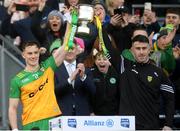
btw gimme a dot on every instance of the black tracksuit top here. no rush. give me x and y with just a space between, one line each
106 100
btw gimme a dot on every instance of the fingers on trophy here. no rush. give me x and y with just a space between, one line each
81 16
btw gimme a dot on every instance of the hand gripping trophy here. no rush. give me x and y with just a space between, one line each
81 16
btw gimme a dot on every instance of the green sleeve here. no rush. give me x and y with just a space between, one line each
14 89
50 62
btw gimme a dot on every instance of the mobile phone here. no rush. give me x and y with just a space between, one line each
118 11
61 7
147 6
21 7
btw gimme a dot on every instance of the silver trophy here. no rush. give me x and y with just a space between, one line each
86 14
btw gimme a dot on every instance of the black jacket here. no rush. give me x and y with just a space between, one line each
107 93
140 88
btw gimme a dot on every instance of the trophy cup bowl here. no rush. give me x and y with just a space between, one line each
86 14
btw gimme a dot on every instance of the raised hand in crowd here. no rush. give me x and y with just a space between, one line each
118 20
41 5
176 52
151 39
81 70
170 36
11 7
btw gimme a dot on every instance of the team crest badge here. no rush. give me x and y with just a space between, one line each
149 78
112 80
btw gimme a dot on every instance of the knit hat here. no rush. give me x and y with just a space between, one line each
56 13
101 2
56 44
162 33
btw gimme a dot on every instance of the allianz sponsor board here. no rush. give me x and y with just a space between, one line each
95 123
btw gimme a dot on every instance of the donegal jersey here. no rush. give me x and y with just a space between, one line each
36 91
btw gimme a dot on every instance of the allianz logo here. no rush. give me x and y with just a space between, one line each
108 123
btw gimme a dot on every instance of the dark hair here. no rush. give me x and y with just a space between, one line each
30 43
140 38
138 27
173 11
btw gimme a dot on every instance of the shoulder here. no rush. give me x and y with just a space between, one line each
156 69
49 62
16 80
19 75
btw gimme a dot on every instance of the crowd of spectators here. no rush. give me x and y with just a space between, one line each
94 85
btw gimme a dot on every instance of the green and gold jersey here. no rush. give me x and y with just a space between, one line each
36 91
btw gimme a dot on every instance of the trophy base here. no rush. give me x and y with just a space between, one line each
83 31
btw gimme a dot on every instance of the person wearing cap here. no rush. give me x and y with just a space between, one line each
141 84
162 52
54 29
34 87
74 87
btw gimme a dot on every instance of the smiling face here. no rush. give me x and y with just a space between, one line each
54 23
102 63
173 19
31 56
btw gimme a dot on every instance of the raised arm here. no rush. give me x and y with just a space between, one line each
59 55
13 105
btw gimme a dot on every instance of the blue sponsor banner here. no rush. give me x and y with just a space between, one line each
93 123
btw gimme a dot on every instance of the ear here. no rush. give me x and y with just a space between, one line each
109 63
22 54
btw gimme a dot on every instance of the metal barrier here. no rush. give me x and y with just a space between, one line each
155 6
9 66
